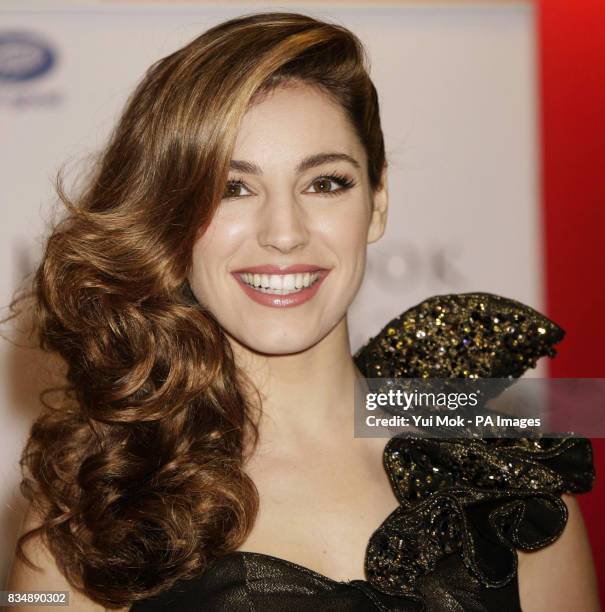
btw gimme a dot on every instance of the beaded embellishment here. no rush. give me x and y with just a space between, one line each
478 498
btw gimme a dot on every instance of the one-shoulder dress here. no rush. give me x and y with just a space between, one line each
465 505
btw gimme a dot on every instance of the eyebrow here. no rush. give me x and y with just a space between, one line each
311 161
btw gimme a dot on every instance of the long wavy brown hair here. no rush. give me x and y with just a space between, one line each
137 470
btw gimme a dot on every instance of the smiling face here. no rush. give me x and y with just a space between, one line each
285 253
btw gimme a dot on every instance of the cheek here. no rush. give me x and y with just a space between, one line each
347 234
209 256
213 249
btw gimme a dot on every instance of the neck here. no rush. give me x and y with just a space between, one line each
307 397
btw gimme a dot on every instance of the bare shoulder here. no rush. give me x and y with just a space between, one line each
49 578
560 576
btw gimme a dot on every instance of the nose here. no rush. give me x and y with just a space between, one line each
283 224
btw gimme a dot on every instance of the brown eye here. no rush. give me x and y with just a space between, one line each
235 189
322 185
331 184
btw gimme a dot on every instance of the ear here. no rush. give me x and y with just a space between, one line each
380 198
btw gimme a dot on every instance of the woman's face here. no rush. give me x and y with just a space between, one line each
285 253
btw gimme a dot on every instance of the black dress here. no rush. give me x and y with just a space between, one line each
465 504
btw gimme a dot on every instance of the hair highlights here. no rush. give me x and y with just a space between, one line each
137 473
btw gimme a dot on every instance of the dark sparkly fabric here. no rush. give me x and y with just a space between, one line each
465 505
460 335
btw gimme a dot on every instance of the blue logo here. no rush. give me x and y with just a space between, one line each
24 56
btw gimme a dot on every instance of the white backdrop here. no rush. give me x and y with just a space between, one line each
458 100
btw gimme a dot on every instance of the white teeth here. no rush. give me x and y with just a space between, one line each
289 281
275 282
280 284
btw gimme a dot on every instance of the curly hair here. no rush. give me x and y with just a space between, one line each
137 472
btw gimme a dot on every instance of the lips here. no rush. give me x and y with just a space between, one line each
276 300
274 269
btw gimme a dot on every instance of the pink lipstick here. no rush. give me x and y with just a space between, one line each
281 286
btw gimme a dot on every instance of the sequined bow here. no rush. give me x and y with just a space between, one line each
478 498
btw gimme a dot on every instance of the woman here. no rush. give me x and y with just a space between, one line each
203 457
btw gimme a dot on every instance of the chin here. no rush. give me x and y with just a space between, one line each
278 342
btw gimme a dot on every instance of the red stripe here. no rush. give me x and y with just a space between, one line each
571 48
